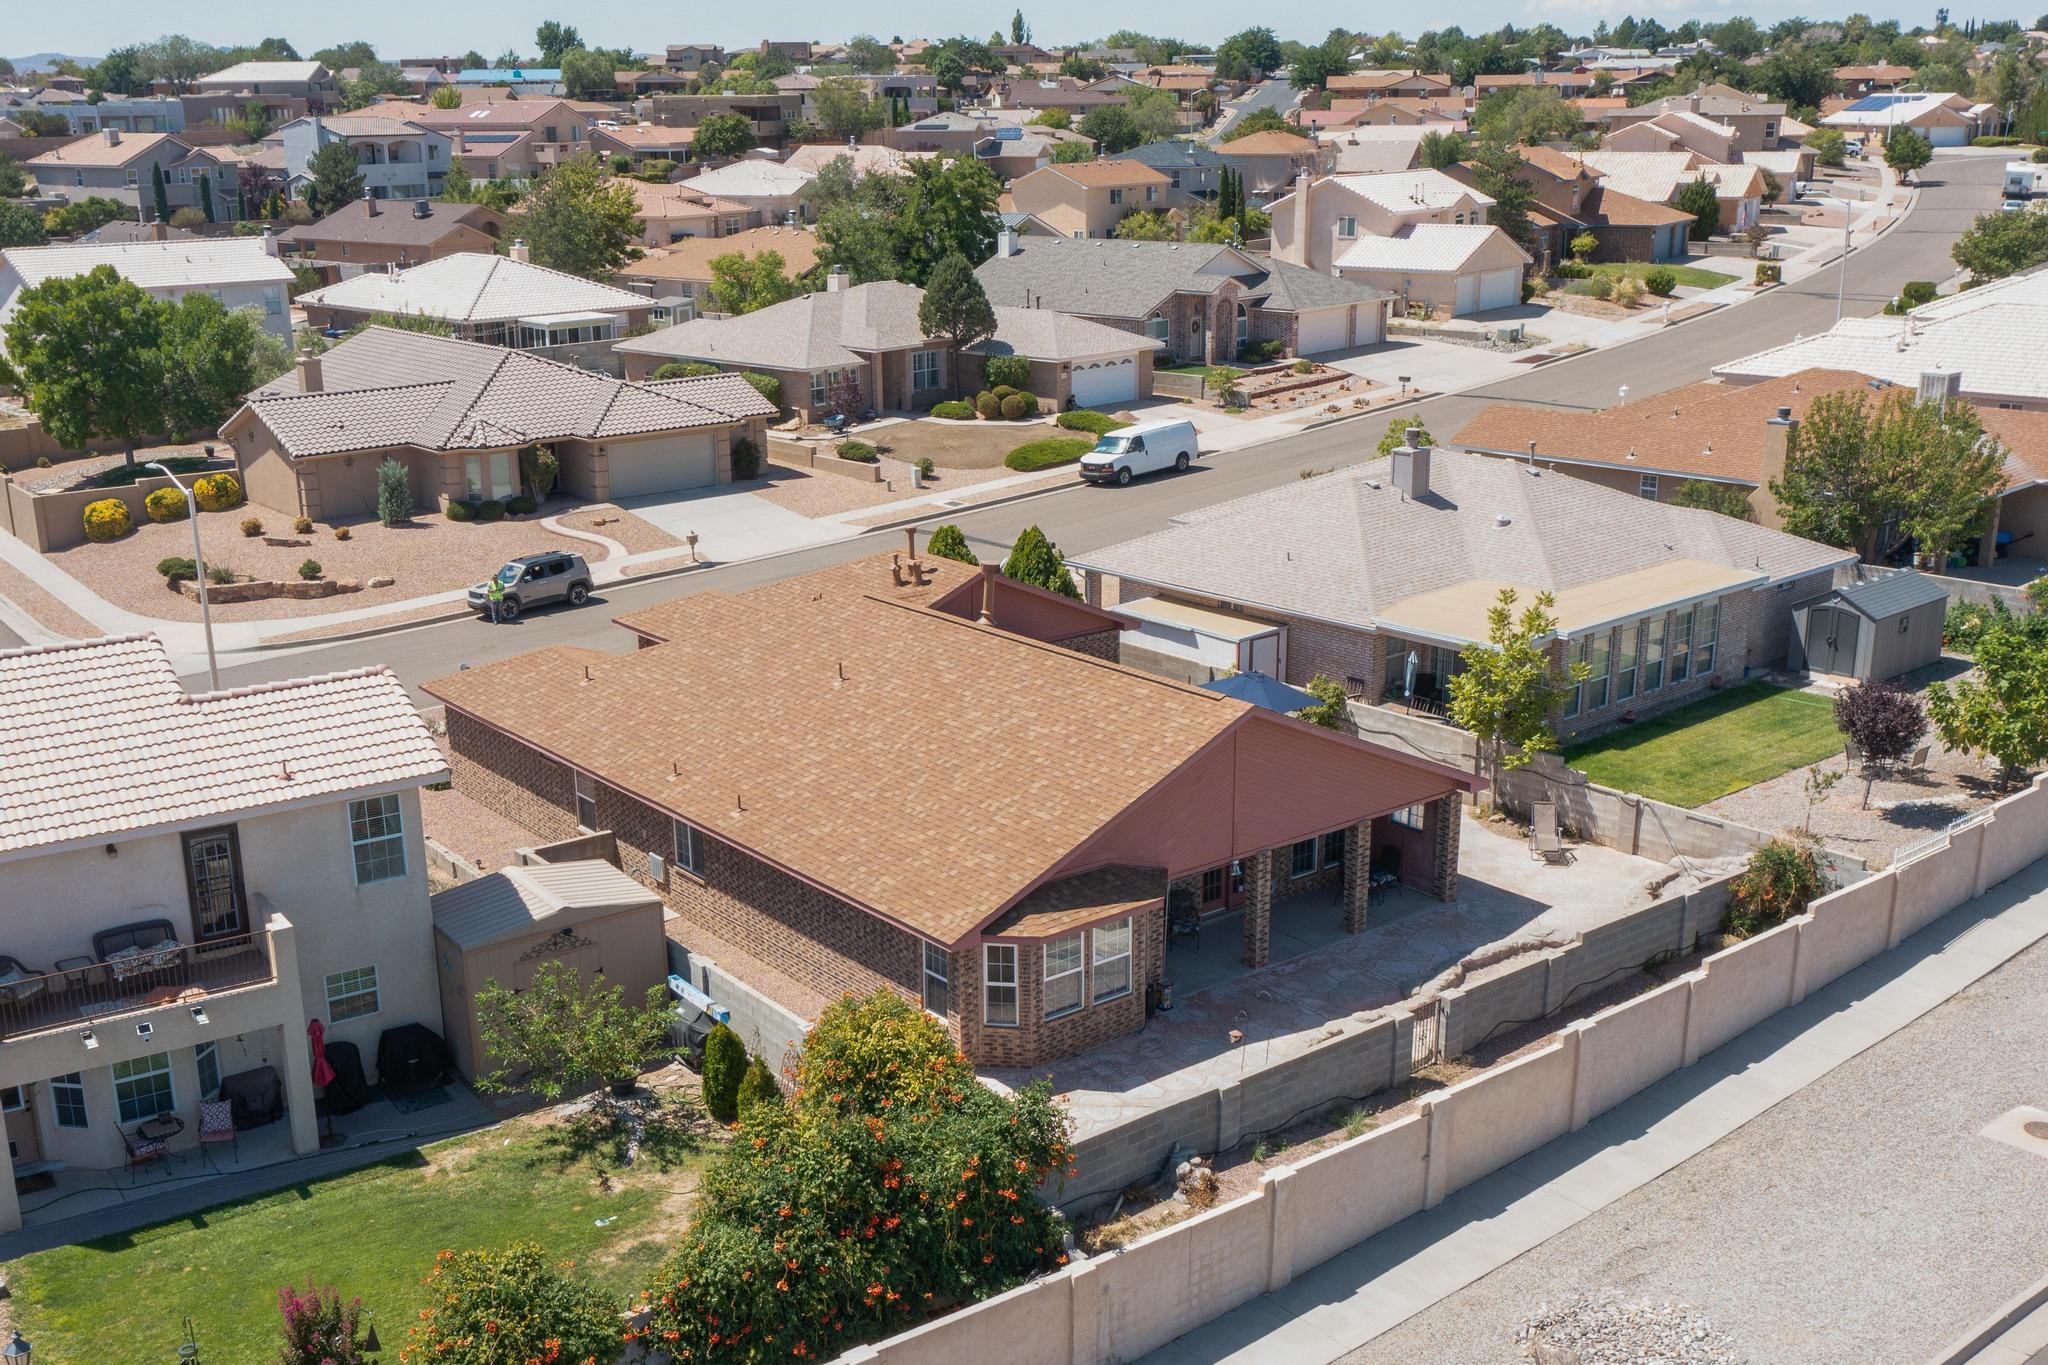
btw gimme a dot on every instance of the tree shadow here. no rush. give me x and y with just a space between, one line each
644 1130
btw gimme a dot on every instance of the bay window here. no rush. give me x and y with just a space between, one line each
1112 960
1062 976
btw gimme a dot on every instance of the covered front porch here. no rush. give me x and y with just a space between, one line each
1303 924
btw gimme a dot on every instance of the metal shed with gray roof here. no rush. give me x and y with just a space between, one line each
1873 630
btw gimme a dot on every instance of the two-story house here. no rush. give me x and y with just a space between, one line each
239 271
189 880
503 139
1573 198
1269 161
1681 130
1089 198
126 114
397 158
112 165
1193 170
1756 120
370 234
307 80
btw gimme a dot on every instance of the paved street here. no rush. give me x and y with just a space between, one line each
1955 190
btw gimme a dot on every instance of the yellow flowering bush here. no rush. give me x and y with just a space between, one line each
107 519
166 504
217 492
492 1307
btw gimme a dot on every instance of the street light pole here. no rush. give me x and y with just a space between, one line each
1842 274
198 571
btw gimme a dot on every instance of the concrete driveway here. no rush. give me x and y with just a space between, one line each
731 524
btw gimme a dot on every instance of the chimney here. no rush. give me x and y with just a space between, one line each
112 136
1779 432
269 241
422 209
370 204
159 231
1411 466
988 594
835 280
519 252
1006 242
309 374
1295 252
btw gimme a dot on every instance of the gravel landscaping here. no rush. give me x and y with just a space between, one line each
1605 1329
616 523
426 555
47 612
819 494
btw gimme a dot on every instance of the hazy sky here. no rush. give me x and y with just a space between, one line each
405 28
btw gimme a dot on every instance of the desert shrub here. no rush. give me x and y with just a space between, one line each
746 458
1598 286
1627 291
462 511
302 525
252 526
310 570
988 405
166 504
949 542
1013 407
1913 293
515 1304
220 573
858 451
1011 371
1781 880
341 533
217 492
490 510
767 385
394 492
757 1087
725 1063
519 505
539 468
925 467
1053 450
176 569
952 410
1086 419
1303 366
1660 281
1572 270
683 369
1769 272
1002 391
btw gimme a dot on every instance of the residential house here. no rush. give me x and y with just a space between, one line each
1658 177
1570 84
218 108
1270 161
690 58
305 80
1738 435
371 234
656 81
796 50
125 114
502 139
871 334
1025 225
1203 302
193 878
498 300
768 115
1089 198
397 158
681 270
1404 111
1048 940
1380 574
1857 81
1678 131
112 165
456 414
1076 98
519 81
242 272
1572 198
1003 140
678 209
1375 150
639 142
1421 235
1193 170
1375 84
1945 120
865 158
1756 121
768 188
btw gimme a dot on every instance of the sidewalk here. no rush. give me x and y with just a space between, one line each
1356 1296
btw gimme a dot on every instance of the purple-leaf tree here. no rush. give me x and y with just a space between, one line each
1883 721
320 1327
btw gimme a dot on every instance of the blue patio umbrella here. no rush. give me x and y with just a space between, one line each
1260 690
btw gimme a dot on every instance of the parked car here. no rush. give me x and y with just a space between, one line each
2014 206
535 581
1142 448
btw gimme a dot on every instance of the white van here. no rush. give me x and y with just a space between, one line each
1140 448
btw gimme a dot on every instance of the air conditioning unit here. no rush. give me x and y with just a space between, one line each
657 867
1941 386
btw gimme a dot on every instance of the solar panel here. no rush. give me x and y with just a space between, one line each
1873 102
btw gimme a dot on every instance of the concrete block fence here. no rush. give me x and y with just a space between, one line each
1122 1304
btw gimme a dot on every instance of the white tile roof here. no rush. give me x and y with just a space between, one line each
99 740
1990 335
752 180
1656 176
1426 248
1408 191
250 73
181 263
474 286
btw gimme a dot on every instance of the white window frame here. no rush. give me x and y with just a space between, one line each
1118 933
72 1086
586 802
355 984
13 1099
999 974
925 370
126 1092
1056 983
937 968
1653 654
1706 635
380 854
203 1055
689 849
1347 226
1678 647
1411 817
1600 658
1646 487
1626 640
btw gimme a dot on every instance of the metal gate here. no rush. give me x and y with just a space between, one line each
1423 1042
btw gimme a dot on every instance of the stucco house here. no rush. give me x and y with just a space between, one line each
371 234
456 414
1680 130
113 165
1758 122
397 158
307 80
191 878
1659 178
802 855
1573 198
1271 161
1193 170
1089 198
239 271
1380 574
1204 302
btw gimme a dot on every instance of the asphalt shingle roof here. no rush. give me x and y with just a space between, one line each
1108 278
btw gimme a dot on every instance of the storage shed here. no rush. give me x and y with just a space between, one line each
1872 631
1199 644
503 927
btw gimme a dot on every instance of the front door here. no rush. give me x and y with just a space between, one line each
213 879
1223 887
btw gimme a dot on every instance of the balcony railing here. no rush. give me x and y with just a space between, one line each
84 994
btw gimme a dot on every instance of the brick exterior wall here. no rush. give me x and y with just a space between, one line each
1258 907
1036 1040
1102 644
1357 872
1446 822
1312 646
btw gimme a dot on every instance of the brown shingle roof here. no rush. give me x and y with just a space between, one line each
1108 173
689 259
396 223
95 150
1272 142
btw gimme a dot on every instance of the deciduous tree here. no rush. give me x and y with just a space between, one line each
720 135
1510 687
1906 150
87 352
577 221
948 210
743 284
1999 709
1726 498
565 1031
2002 244
1036 560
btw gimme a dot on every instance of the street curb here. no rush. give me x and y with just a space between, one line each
1987 1332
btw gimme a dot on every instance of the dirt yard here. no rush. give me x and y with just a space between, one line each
954 445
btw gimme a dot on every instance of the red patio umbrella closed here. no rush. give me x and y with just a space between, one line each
316 1033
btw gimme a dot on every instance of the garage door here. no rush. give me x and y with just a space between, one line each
1500 289
1102 382
664 466
1324 329
1468 294
1948 137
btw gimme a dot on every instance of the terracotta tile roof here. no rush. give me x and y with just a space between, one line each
1272 142
98 739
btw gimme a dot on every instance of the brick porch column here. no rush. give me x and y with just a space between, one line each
1357 875
1258 907
1445 816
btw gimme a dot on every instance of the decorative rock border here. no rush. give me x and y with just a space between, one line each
256 590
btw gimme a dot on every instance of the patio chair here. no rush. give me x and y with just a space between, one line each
20 983
1184 916
143 1150
1918 762
1544 840
1383 875
1852 756
217 1124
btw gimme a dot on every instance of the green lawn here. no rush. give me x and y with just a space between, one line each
1693 275
1734 738
372 1232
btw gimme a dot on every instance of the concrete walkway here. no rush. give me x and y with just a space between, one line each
1376 1285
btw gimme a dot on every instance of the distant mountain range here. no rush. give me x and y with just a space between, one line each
47 61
